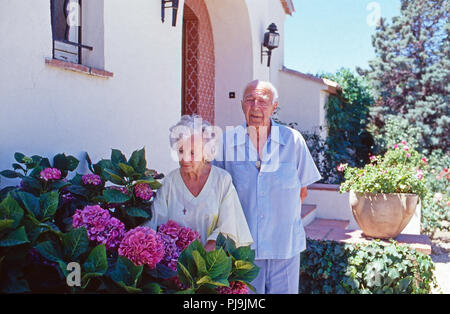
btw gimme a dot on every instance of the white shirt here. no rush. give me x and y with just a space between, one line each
215 210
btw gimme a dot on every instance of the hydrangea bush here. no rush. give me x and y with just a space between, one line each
50 220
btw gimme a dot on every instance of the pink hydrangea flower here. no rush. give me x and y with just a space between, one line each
143 191
373 158
395 146
170 228
236 287
143 246
186 237
408 155
91 179
50 174
403 142
100 226
406 148
171 231
425 160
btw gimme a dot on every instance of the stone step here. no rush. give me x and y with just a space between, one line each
329 224
308 213
335 230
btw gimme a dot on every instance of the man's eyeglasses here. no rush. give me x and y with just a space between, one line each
259 102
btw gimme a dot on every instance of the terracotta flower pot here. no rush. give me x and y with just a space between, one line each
383 215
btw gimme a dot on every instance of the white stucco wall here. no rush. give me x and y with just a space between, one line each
302 100
233 56
238 28
46 110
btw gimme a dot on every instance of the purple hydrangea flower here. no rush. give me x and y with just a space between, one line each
91 179
236 287
172 252
50 174
100 226
143 191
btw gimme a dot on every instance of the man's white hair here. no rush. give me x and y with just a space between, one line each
265 85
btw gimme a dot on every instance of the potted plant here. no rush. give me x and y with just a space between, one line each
385 193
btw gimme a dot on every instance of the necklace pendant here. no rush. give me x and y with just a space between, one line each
184 211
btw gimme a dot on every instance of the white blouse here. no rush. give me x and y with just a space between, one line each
215 210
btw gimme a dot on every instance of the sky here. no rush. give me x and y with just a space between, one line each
325 35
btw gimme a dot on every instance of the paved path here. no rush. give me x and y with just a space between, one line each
441 257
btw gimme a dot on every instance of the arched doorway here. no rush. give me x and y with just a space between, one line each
198 61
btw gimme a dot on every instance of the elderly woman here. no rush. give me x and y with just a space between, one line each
198 195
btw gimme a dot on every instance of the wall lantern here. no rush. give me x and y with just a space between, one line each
271 41
167 4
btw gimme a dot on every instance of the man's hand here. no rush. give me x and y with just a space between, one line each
303 193
210 245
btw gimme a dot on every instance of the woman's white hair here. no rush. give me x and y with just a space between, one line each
194 124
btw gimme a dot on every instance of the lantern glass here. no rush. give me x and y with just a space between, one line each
274 40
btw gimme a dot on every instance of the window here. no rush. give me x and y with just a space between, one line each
67 30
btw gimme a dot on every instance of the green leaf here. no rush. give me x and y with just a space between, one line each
49 204
5 224
48 250
117 157
125 273
72 163
128 170
114 177
404 284
137 160
58 185
200 263
155 185
160 272
30 202
19 157
32 183
153 288
60 161
10 174
75 242
115 197
89 162
218 264
137 212
96 261
10 209
243 265
16 237
18 167
184 274
208 280
14 282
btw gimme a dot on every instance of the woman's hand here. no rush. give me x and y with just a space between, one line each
210 245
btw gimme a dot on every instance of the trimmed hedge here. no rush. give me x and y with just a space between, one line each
329 267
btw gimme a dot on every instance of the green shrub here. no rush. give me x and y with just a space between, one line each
340 268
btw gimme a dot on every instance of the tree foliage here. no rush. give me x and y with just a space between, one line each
411 70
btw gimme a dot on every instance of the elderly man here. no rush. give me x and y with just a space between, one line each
271 168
